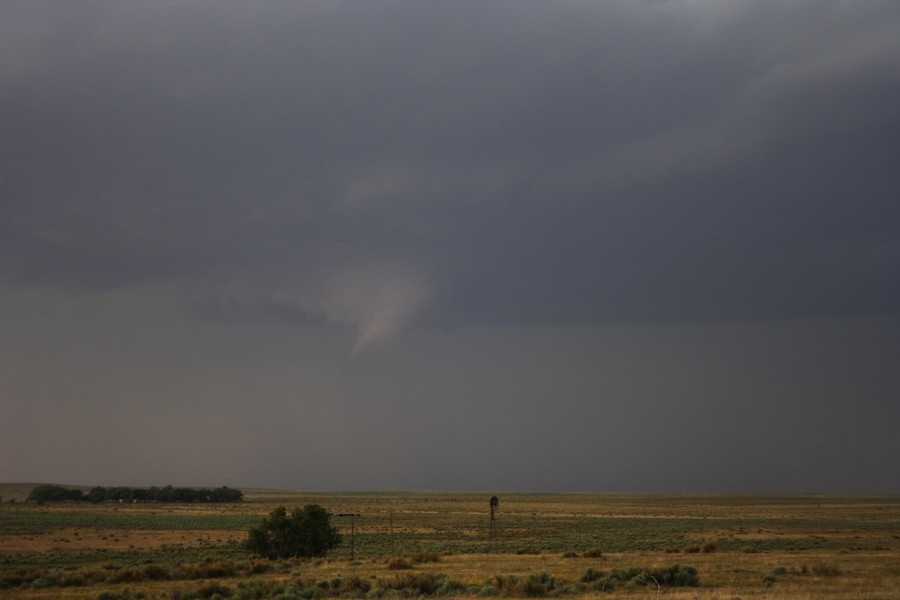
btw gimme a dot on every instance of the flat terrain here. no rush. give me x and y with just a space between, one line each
742 546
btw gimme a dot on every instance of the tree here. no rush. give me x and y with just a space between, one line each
54 493
306 532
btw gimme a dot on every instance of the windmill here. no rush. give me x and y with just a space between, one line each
495 503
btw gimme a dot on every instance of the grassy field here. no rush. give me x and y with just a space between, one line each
568 545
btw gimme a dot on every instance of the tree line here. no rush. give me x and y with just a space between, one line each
58 493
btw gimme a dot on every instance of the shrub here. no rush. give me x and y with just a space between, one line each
625 574
531 588
593 553
451 587
709 546
420 583
355 584
506 583
214 589
155 572
218 568
536 585
590 575
306 532
677 576
41 582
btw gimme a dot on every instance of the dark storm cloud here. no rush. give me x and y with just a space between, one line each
370 163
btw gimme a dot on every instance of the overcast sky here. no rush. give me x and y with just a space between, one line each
616 245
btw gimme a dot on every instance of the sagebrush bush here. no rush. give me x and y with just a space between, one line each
155 572
452 587
677 576
506 583
421 583
590 575
214 589
536 585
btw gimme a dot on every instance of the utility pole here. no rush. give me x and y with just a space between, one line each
352 532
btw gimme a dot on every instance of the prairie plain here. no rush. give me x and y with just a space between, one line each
414 544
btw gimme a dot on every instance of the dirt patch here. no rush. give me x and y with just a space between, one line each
113 539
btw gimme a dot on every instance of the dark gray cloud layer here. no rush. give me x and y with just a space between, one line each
383 166
595 161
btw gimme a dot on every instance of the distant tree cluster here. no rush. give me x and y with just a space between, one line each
58 493
55 493
305 532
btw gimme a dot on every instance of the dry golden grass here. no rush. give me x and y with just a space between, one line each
74 539
844 547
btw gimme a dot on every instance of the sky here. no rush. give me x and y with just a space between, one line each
619 245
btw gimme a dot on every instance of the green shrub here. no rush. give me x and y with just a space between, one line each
421 583
677 576
356 584
506 583
531 588
154 572
625 574
452 587
590 575
306 532
217 568
536 585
